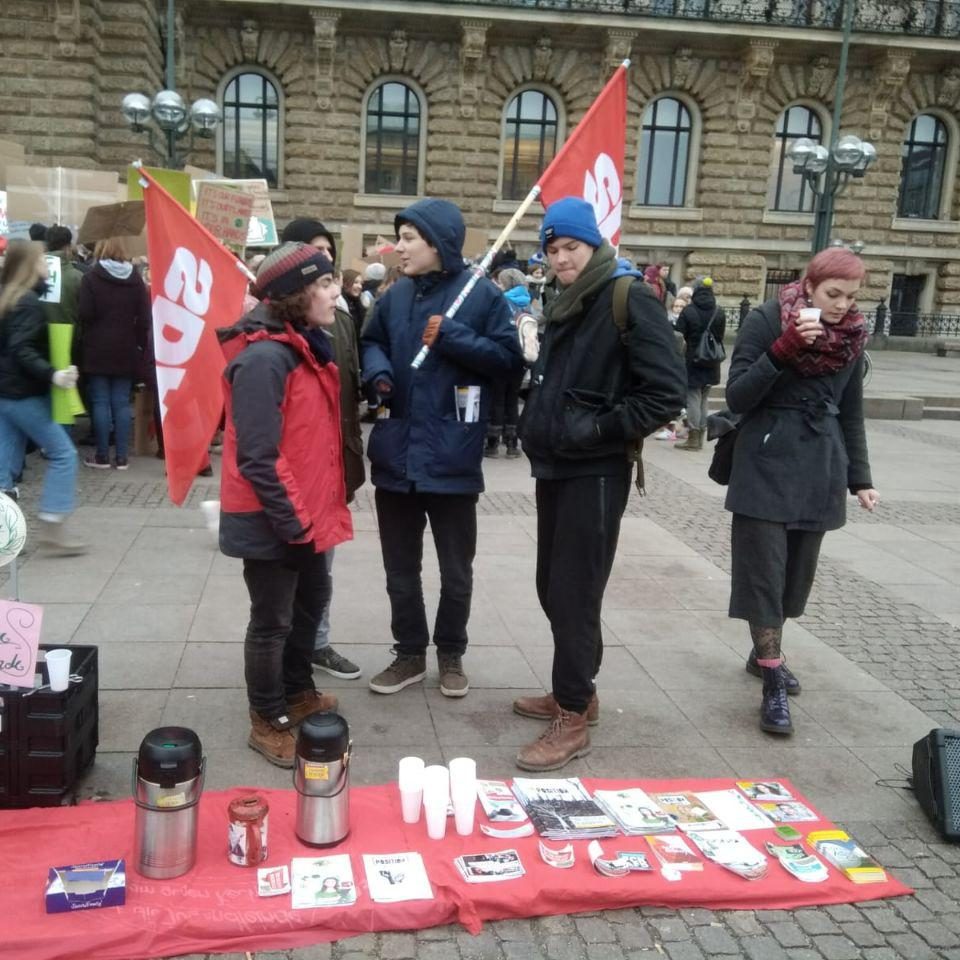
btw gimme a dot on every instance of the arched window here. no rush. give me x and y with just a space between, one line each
664 154
529 142
788 190
924 162
392 154
251 129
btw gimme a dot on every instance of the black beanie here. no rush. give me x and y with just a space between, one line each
304 229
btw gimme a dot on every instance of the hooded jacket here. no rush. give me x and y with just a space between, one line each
282 476
693 321
114 316
423 446
25 369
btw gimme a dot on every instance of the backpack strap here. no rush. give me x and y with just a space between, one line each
621 294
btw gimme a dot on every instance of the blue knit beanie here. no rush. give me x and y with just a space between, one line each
570 217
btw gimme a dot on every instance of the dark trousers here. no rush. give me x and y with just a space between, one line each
578 525
286 603
402 518
505 401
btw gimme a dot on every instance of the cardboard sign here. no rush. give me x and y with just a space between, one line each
177 183
125 219
263 226
54 272
57 194
475 243
351 243
224 211
19 639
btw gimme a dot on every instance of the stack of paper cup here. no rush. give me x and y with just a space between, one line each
410 781
436 798
463 793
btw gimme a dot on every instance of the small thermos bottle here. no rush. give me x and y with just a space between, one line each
322 780
167 783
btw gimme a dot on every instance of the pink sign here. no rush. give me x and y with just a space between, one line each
19 638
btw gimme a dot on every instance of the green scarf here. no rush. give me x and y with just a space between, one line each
568 305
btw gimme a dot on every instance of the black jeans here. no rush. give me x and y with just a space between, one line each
402 518
578 525
505 401
286 603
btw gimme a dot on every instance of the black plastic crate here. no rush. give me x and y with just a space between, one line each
48 739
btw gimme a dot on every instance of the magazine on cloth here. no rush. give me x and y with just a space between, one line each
498 803
732 851
790 812
771 790
635 813
562 809
488 867
687 811
840 849
322 882
392 877
672 851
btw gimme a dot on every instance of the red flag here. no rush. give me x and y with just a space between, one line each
196 286
590 163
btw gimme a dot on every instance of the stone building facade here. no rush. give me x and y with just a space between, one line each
65 65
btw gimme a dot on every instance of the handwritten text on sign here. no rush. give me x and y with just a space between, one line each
19 638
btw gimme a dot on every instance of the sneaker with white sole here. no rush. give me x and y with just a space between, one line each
453 680
406 669
328 660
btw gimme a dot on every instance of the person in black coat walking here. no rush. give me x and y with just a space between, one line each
796 381
700 313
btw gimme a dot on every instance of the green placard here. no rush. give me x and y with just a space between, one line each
65 404
175 182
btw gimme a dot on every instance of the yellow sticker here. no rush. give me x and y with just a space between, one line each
316 771
174 800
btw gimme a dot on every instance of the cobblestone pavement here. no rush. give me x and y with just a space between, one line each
897 642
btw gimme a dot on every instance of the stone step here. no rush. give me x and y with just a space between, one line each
939 401
941 413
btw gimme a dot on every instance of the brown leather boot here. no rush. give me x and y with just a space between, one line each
545 708
273 738
301 705
564 740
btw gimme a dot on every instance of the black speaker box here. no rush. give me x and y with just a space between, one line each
936 779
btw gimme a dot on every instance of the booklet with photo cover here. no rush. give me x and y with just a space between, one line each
687 811
729 849
498 803
765 790
322 882
840 849
791 811
487 867
672 851
392 877
562 809
636 814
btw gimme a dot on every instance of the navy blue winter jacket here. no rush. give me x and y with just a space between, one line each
424 446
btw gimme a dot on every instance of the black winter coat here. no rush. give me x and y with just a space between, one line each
692 322
25 369
591 395
802 442
114 318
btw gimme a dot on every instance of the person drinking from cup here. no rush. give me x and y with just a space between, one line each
796 381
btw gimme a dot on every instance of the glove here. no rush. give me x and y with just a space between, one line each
297 555
432 330
383 387
788 344
67 378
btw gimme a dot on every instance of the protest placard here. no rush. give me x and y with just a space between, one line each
263 226
19 640
57 194
224 211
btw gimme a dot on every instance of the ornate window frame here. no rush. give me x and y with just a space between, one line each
771 214
943 223
557 100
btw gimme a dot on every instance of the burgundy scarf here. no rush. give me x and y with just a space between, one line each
840 343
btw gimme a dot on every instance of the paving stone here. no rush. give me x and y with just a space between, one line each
816 923
843 913
565 948
595 930
483 946
836 948
789 934
626 915
937 901
398 946
936 934
911 910
634 936
434 950
447 932
803 953
932 867
742 923
316 951
762 948
886 921
683 950
909 945
513 929
365 943
880 953
604 951
863 934
557 926
522 950
697 917
714 939
670 929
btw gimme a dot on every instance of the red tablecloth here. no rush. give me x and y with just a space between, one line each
215 906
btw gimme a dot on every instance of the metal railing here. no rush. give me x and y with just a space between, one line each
929 18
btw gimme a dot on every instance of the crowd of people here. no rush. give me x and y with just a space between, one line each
605 354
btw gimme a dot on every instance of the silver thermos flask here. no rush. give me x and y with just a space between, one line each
322 780
167 783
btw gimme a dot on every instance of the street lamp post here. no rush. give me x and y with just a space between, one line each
170 113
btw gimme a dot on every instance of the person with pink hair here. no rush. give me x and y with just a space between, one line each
796 382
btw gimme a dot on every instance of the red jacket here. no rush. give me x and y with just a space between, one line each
282 475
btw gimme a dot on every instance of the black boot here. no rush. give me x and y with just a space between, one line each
774 707
492 449
789 678
511 442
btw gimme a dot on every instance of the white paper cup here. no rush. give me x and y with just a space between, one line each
410 783
463 793
436 797
410 803
58 669
810 313
436 816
